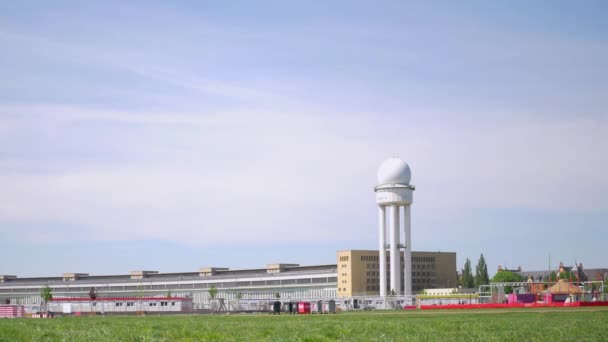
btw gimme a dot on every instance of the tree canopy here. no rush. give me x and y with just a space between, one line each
507 277
46 294
553 276
481 272
569 275
466 280
213 292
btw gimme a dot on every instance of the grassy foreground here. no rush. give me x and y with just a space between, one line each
589 324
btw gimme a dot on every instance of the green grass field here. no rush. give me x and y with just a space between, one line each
588 324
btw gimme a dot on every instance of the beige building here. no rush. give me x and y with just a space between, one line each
358 272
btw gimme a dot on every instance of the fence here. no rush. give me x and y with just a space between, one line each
11 311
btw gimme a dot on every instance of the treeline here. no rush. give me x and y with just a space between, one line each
468 280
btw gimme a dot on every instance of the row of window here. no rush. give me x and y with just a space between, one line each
182 286
423 259
344 258
374 273
417 266
375 258
423 266
423 274
388 259
118 304
369 258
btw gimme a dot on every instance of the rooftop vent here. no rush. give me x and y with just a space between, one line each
276 268
5 278
74 276
141 274
210 271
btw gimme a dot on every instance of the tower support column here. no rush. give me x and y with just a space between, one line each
395 255
407 252
382 248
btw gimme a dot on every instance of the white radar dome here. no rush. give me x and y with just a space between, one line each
394 171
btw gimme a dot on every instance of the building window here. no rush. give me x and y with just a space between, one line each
163 303
152 304
118 304
129 303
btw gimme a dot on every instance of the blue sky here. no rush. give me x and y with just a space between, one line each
172 136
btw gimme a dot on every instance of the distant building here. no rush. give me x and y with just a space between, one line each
578 271
121 304
500 269
359 274
287 281
356 273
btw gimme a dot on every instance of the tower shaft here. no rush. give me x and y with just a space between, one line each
395 255
407 252
382 248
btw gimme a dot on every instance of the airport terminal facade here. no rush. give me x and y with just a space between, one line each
356 276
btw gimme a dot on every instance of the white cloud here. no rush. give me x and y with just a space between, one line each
249 177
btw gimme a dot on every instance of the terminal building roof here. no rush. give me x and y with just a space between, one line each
153 276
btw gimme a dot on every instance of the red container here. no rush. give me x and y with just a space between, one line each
303 308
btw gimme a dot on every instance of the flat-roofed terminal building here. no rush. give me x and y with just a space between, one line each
355 274
288 281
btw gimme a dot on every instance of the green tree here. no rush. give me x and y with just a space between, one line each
606 285
569 276
47 295
507 277
466 280
481 272
553 277
238 296
212 292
